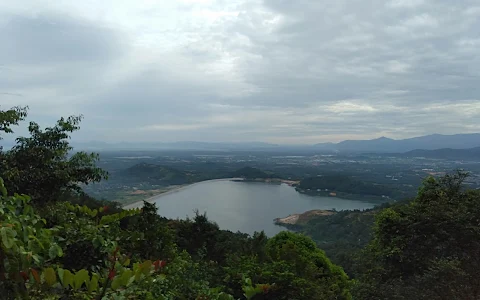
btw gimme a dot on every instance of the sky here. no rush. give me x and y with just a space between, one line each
278 71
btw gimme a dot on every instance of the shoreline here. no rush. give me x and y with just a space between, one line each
302 218
139 204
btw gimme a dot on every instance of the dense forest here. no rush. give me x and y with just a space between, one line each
341 235
250 173
155 174
59 243
344 185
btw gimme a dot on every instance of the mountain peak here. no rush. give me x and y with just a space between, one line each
429 142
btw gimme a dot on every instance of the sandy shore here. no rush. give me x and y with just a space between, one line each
176 189
304 217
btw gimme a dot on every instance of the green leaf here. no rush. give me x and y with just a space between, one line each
93 284
131 280
116 283
125 277
67 278
52 252
138 274
249 292
60 275
3 190
224 296
7 234
59 251
146 267
50 277
36 259
80 278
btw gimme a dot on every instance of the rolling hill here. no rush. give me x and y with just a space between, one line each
252 173
379 145
156 174
428 142
447 153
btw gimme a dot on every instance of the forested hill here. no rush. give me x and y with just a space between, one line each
347 185
158 174
253 173
447 153
342 235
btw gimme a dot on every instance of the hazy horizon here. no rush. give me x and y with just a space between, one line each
302 72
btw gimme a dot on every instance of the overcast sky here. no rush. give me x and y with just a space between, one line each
278 71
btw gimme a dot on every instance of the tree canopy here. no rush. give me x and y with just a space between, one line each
43 165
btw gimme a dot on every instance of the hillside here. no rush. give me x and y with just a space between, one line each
447 153
157 174
303 218
341 235
252 173
428 142
344 184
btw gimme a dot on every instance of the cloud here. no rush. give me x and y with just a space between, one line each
405 3
240 70
172 127
51 39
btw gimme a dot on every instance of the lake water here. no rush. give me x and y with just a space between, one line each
246 206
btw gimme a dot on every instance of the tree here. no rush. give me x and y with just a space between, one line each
43 166
312 275
147 235
11 117
429 248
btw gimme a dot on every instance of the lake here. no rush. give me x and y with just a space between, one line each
246 206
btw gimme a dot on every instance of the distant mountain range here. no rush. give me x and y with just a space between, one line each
428 142
380 145
447 153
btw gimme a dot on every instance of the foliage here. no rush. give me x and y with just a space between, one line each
41 165
428 248
252 173
38 261
156 174
26 246
11 117
341 235
345 184
147 235
315 277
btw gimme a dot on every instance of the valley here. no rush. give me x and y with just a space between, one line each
138 175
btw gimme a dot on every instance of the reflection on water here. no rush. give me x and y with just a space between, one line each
246 206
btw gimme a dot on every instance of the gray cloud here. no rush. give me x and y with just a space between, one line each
53 39
280 71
